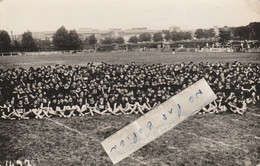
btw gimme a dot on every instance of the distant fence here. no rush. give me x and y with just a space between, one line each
10 54
253 50
186 49
41 53
229 50
216 50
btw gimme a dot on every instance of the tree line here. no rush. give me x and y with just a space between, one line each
64 39
27 42
249 32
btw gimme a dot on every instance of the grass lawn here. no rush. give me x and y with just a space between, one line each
125 57
206 139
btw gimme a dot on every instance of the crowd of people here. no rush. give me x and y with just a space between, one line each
104 89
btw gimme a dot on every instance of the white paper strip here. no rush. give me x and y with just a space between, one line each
158 121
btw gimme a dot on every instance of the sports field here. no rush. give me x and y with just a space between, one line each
203 139
125 57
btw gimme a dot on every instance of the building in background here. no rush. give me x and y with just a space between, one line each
99 34
175 28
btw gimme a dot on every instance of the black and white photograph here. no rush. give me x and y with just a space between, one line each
130 82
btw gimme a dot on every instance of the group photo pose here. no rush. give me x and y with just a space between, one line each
114 89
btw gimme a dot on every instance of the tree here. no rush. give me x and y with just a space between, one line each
185 35
74 40
210 33
224 36
119 40
5 41
64 40
145 37
28 43
251 31
254 28
180 35
167 34
157 37
61 38
241 33
199 33
203 33
16 46
44 44
91 40
107 40
176 36
133 39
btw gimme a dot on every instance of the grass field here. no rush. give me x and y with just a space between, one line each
125 57
206 139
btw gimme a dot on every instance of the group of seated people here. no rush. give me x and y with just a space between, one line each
116 89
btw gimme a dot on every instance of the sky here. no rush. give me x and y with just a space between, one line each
48 15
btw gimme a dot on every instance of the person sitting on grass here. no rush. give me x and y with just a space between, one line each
123 105
132 104
87 111
141 105
112 105
19 110
153 102
26 104
233 106
7 111
81 107
119 107
91 106
126 106
101 106
53 107
210 108
253 94
257 89
161 81
230 97
247 89
70 108
60 109
221 107
35 109
45 106
241 104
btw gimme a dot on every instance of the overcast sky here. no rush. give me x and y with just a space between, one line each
44 15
